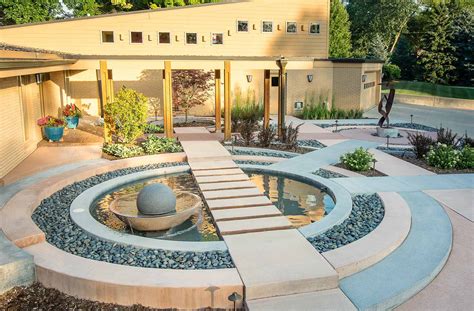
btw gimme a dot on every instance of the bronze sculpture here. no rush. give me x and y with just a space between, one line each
388 107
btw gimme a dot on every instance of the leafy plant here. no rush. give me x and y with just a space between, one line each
190 88
468 141
466 158
154 106
391 72
446 137
126 116
50 121
290 136
245 108
421 143
442 156
71 110
317 109
247 130
266 136
151 128
122 151
359 160
155 144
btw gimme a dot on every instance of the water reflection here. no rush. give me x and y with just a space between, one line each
303 204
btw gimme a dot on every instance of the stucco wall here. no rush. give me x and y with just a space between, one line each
83 36
53 94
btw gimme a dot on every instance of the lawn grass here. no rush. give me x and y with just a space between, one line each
428 89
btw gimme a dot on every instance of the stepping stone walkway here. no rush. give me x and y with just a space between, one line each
273 258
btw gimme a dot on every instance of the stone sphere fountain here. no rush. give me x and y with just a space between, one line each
155 208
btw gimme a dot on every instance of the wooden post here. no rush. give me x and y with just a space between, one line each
266 99
227 102
282 98
104 99
167 100
217 79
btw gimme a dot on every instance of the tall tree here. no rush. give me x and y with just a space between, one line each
463 42
383 18
340 45
28 11
436 53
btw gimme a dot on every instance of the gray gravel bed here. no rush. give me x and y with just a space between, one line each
327 174
52 217
412 126
367 213
311 143
251 162
262 153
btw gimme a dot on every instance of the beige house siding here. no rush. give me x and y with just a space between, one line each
84 91
13 146
53 94
347 87
83 36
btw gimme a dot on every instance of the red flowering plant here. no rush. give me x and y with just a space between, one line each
50 121
71 110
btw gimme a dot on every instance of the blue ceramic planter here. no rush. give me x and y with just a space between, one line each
54 133
72 122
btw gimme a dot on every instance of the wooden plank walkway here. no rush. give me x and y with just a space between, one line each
273 258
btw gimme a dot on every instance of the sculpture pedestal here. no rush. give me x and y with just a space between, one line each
387 132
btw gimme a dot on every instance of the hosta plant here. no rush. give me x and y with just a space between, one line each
122 151
442 156
359 160
466 158
154 145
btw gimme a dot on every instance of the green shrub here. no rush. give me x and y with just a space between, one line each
127 115
154 145
247 130
290 136
359 160
245 108
466 158
442 156
151 128
446 137
391 72
122 151
421 144
317 109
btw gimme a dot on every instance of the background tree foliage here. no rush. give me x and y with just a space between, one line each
28 11
339 31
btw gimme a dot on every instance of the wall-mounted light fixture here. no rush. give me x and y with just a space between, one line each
310 78
249 78
39 78
364 78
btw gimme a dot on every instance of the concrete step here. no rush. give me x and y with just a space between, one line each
227 185
326 300
254 225
221 172
239 202
205 151
245 213
220 179
278 263
215 165
234 193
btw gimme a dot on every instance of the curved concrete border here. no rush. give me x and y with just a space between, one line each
127 285
378 244
80 213
15 217
342 198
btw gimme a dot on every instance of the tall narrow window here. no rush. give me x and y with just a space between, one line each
217 38
291 27
107 37
267 26
136 37
314 28
242 26
191 38
164 37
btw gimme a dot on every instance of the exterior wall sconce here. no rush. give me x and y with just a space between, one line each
364 78
310 78
39 78
249 78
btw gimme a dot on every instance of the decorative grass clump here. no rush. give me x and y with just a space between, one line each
317 109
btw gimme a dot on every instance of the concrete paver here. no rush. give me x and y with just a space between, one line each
239 202
235 193
245 213
277 263
459 200
227 185
230 171
254 225
220 179
393 166
214 165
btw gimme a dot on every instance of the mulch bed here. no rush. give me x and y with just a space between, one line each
37 297
195 124
422 163
369 173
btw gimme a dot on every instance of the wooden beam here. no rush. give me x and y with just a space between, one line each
108 124
266 99
167 100
227 102
217 79
282 97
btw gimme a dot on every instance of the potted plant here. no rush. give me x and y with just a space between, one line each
72 114
53 127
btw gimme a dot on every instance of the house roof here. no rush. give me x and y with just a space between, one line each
222 2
